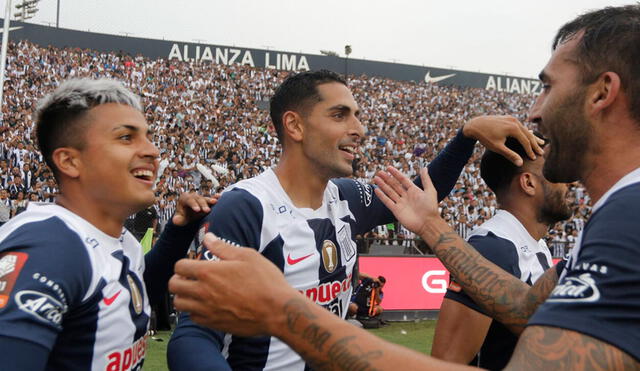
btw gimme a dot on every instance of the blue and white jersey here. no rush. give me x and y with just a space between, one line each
69 288
598 293
504 241
315 249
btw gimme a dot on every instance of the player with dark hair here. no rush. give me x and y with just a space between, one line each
512 239
72 280
304 218
588 110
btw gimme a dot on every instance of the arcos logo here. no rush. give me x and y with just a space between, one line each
435 285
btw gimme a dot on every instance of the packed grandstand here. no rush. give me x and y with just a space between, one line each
212 129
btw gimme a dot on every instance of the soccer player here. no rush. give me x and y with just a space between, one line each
591 319
73 285
304 218
512 239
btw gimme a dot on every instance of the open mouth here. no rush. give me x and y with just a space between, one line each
349 149
146 175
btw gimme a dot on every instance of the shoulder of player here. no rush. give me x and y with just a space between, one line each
493 247
351 190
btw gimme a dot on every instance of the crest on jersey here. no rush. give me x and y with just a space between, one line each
329 256
136 296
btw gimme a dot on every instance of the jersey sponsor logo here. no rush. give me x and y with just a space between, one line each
434 285
328 291
329 256
41 306
51 284
346 243
576 289
10 266
136 296
292 261
109 300
128 359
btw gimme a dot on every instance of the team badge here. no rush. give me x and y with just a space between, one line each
136 296
329 256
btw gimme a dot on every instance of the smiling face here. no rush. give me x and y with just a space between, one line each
332 131
118 162
559 112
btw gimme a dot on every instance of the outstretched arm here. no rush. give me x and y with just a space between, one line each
498 293
326 342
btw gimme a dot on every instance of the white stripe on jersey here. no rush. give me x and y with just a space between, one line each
115 329
507 226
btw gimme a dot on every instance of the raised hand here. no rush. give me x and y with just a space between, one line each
235 294
411 205
192 207
492 132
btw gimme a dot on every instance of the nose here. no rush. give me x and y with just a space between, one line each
534 111
357 128
150 150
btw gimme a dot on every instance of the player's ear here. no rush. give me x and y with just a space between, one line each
67 160
603 92
528 183
292 125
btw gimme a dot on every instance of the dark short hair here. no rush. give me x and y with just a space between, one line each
58 114
382 279
296 93
611 42
497 171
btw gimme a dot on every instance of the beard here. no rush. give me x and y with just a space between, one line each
570 135
555 207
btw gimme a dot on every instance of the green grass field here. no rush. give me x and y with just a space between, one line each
415 335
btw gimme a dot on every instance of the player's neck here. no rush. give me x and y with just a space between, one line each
608 170
101 218
529 220
305 189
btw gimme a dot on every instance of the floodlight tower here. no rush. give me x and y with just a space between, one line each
27 9
347 51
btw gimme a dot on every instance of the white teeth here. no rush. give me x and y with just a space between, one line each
348 149
145 173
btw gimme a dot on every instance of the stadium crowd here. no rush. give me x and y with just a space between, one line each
212 128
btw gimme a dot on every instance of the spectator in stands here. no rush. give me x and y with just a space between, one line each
513 240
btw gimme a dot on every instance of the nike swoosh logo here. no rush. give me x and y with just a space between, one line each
429 79
296 261
109 301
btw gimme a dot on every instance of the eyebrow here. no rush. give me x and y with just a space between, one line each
343 108
132 128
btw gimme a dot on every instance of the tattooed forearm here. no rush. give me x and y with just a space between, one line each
320 348
503 296
543 347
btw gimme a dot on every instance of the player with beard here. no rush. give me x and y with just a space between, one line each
590 320
512 239
304 218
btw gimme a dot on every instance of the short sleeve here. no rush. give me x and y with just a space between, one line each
499 251
45 272
599 295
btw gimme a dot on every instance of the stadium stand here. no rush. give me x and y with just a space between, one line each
212 129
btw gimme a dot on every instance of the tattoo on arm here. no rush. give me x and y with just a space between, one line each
503 296
320 347
542 347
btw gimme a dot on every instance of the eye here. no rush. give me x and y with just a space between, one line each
126 137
